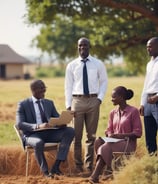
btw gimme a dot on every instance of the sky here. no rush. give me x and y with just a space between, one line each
13 31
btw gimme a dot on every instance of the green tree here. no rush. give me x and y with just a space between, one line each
115 27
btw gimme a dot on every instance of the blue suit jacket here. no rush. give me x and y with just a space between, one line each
26 117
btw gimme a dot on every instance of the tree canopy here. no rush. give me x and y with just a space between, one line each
114 27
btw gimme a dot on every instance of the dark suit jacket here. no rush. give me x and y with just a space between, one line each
26 118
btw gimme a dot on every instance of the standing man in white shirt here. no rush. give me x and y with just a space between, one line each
149 98
85 103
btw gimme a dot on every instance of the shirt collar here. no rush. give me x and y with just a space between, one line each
86 58
117 109
152 59
34 99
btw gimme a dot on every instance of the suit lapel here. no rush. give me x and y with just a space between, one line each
31 106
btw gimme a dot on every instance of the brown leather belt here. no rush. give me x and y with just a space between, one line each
86 96
153 94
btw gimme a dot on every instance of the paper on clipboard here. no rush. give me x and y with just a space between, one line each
65 118
110 139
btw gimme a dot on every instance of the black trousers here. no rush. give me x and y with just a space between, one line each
150 126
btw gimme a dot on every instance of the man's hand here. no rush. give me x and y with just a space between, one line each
43 125
141 110
99 101
152 99
69 109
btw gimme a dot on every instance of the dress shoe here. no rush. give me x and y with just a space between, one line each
57 172
79 168
153 154
78 171
48 175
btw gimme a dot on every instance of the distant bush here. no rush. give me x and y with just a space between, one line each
59 71
46 71
119 71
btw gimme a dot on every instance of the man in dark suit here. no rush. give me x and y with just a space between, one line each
30 120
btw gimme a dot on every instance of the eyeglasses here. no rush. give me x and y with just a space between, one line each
41 87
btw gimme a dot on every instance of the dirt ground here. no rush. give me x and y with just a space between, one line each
11 179
12 169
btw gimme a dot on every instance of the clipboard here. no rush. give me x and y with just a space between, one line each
110 139
65 118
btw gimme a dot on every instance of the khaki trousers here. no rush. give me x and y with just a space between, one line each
86 114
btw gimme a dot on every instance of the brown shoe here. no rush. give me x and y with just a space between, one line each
107 175
78 171
93 181
87 173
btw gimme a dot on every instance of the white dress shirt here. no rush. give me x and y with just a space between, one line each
151 80
97 78
37 111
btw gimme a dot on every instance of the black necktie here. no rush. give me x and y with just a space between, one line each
85 78
43 117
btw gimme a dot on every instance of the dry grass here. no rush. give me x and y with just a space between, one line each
13 159
7 112
12 168
139 171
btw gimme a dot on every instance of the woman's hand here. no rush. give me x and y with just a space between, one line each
124 136
117 136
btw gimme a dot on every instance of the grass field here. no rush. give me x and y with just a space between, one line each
14 90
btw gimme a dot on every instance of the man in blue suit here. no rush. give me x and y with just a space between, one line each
30 120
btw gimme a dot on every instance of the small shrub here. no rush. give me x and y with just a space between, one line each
139 171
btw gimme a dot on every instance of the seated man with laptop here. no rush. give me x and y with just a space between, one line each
34 117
